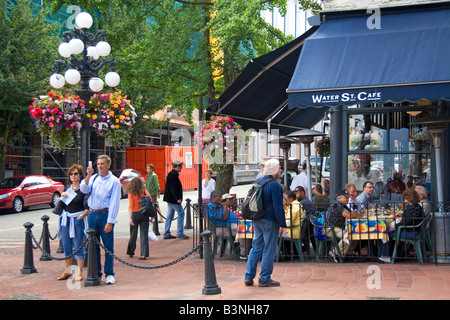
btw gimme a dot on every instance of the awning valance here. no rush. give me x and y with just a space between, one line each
346 62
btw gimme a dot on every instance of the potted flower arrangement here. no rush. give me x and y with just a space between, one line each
57 117
219 139
111 116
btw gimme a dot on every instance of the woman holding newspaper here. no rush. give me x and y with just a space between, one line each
72 222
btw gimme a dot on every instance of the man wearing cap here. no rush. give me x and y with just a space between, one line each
173 195
335 218
220 214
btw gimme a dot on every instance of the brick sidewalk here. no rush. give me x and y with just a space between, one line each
185 280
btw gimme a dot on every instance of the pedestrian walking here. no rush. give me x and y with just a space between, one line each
136 189
173 195
153 188
266 230
103 203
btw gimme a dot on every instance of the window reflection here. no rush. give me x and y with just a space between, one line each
413 168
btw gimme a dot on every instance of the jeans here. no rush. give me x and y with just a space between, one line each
384 249
98 222
71 244
265 244
171 208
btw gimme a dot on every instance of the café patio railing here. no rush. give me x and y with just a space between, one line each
366 229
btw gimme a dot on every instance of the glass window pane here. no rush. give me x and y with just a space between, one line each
367 132
414 168
407 137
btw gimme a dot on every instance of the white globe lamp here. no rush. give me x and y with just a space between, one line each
96 84
57 81
83 20
72 76
92 52
103 48
64 50
76 46
112 79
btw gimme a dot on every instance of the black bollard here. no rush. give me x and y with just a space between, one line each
156 220
46 255
92 273
60 248
28 263
211 286
188 224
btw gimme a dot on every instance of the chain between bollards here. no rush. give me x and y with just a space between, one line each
211 287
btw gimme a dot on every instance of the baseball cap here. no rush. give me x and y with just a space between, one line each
343 193
177 163
227 196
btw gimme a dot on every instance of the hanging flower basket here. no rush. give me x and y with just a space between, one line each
57 118
323 147
220 138
111 116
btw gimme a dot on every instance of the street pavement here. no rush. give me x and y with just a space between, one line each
184 281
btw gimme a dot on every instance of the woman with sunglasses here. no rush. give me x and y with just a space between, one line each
72 222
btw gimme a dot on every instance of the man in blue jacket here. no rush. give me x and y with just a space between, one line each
267 229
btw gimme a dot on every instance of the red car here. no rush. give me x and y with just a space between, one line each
125 176
19 193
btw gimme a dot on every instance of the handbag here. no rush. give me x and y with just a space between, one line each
59 207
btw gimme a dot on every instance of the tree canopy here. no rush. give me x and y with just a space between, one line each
171 52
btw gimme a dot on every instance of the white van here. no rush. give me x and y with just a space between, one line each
325 168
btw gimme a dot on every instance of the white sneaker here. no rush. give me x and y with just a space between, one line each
385 259
110 279
334 256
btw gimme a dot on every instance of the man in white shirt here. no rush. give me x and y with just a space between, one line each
103 203
300 180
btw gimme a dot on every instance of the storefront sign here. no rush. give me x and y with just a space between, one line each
346 97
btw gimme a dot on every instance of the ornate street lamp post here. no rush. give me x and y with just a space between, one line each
84 50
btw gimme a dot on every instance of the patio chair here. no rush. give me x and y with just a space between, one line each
297 243
325 244
418 242
221 242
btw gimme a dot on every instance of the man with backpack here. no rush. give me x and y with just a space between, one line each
266 230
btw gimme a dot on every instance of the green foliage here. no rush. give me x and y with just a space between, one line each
171 52
28 47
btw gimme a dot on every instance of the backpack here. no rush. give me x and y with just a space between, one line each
147 207
253 206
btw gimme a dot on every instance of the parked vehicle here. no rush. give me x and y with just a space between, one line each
125 176
325 174
21 192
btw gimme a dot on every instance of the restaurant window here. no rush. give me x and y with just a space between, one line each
381 144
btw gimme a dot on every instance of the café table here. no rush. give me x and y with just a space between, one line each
245 229
374 227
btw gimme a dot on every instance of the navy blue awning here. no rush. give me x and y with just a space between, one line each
345 62
259 92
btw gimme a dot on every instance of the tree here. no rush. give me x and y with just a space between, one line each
27 48
173 52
